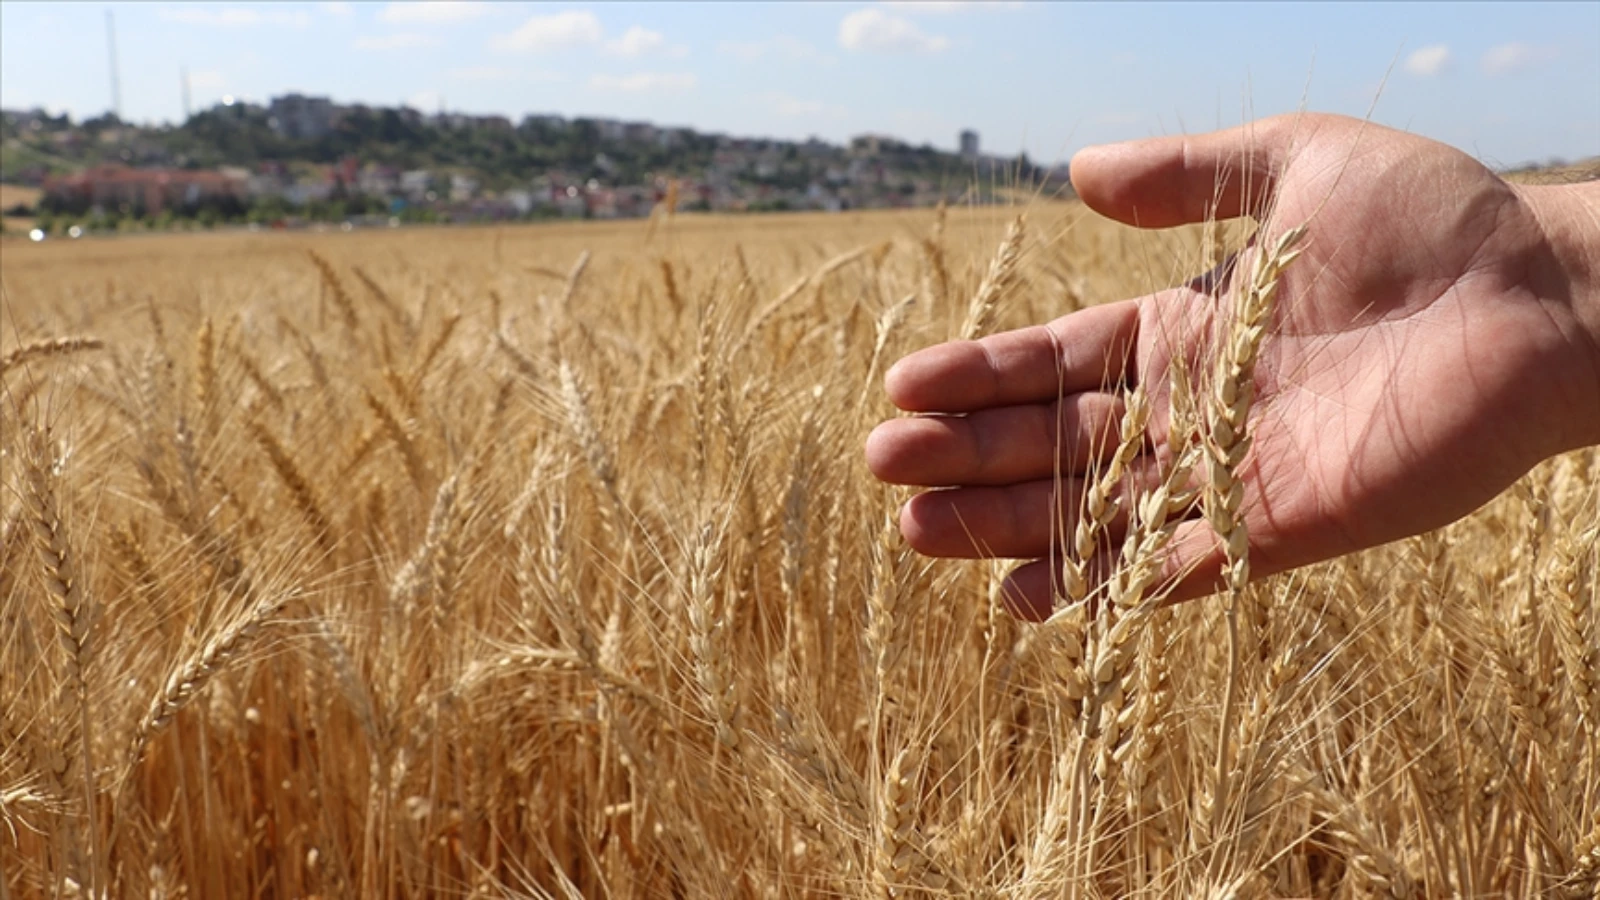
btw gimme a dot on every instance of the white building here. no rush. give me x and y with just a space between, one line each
463 187
416 183
520 200
300 117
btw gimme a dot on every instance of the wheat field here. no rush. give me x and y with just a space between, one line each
545 562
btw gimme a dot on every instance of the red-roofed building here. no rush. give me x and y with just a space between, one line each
150 191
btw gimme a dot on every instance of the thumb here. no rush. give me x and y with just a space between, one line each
1168 181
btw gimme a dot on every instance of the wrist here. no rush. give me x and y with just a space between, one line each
1568 271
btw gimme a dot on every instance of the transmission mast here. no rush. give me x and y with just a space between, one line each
111 54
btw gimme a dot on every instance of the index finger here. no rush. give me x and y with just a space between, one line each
1087 350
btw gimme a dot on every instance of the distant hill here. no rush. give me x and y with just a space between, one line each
308 157
296 129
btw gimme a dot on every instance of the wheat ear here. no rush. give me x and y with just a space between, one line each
997 282
1225 442
336 290
416 467
300 490
395 311
70 609
197 671
574 277
897 848
1228 438
884 328
47 348
204 387
1575 634
1099 504
708 644
580 418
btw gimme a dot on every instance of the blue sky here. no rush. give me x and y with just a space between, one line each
1506 82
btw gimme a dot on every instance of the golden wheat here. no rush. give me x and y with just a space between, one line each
448 587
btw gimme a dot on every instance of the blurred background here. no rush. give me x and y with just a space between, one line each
436 109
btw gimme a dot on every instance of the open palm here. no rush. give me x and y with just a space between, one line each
1425 353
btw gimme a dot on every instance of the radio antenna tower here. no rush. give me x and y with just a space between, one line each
111 53
183 76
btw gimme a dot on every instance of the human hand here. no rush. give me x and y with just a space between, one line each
1439 336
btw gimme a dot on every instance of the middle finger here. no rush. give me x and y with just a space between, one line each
998 446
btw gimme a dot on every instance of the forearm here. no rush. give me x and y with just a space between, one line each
1569 216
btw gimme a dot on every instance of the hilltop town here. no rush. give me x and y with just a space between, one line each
301 158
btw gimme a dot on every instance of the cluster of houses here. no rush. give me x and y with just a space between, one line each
152 191
742 174
149 191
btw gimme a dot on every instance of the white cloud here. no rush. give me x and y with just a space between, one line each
637 41
1514 57
402 41
337 8
796 108
433 12
645 81
1428 61
426 101
640 41
573 28
874 29
783 46
234 16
